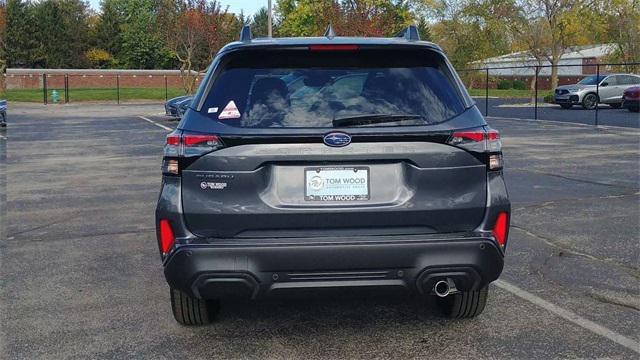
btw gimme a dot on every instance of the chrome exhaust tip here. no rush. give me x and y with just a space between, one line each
444 288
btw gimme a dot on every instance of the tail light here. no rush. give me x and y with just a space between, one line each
500 228
184 146
481 140
167 239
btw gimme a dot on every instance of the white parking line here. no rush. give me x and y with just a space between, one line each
155 123
566 123
3 137
571 316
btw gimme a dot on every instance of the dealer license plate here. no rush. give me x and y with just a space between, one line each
336 184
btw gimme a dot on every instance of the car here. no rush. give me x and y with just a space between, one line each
631 99
171 106
183 105
3 113
594 90
385 176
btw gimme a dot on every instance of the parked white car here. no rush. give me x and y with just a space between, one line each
609 91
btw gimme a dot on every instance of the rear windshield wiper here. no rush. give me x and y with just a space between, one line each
367 119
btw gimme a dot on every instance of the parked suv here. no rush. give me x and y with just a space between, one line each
331 162
609 91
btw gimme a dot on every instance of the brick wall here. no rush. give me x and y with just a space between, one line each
92 79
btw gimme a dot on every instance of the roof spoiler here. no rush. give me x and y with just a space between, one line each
245 33
410 33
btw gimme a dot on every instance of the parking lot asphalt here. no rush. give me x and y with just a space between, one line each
520 109
80 275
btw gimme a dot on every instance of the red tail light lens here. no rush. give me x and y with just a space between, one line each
191 140
167 239
500 228
468 136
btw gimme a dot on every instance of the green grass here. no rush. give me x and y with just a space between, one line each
508 93
75 95
158 94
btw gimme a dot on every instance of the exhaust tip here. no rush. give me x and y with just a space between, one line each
442 288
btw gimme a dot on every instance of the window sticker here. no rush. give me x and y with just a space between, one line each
212 110
229 112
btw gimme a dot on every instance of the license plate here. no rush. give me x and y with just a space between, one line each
336 184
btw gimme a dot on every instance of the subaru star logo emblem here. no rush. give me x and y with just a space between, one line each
337 139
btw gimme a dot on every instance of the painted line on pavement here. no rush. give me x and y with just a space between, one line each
570 316
155 123
567 123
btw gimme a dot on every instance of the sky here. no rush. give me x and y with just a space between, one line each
250 7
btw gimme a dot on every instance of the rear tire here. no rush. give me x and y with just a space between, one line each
463 305
616 105
566 106
590 101
191 311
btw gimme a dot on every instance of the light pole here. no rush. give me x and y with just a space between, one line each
270 27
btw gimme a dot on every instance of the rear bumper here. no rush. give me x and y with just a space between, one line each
170 110
251 269
631 103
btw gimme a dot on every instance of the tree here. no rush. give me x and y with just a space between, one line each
62 33
107 31
348 17
564 23
194 31
623 29
142 46
22 48
469 30
260 23
3 37
98 58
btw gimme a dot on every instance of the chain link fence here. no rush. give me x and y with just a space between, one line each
526 92
59 86
523 92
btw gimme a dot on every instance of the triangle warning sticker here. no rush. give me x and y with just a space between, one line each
229 112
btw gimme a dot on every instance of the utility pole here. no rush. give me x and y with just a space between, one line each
270 27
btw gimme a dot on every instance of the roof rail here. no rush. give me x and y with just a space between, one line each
410 33
245 33
329 33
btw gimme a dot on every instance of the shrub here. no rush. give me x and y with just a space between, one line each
98 58
549 99
519 85
505 84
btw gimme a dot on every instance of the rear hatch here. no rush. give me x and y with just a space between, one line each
332 142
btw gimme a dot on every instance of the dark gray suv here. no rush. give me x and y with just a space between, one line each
331 162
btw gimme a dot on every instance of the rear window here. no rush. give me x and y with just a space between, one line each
306 89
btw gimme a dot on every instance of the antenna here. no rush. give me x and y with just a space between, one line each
329 33
245 33
410 33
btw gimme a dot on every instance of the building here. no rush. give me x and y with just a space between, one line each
574 65
575 62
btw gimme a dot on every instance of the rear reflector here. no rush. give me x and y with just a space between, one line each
500 228
333 47
167 239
